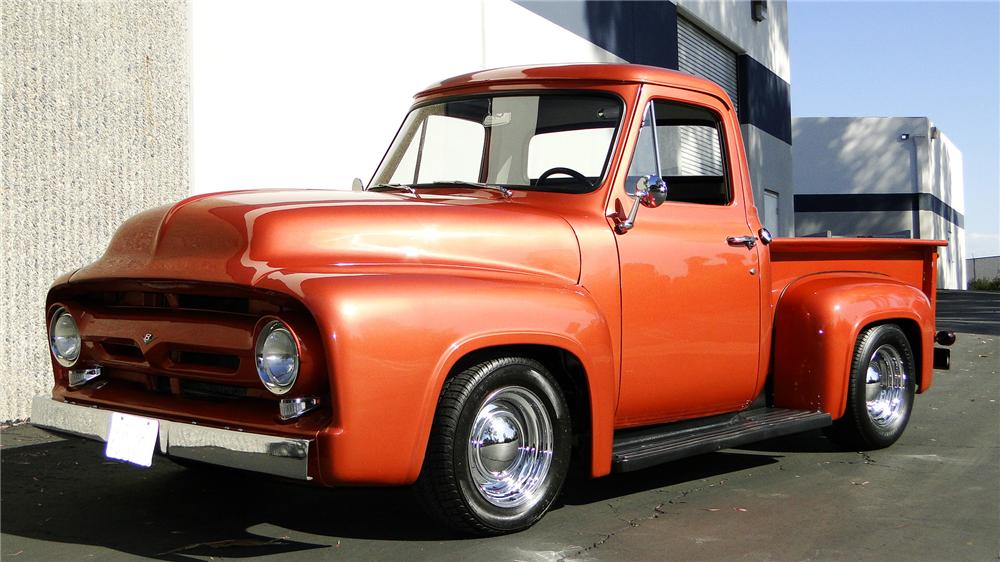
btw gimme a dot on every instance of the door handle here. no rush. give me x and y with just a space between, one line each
748 241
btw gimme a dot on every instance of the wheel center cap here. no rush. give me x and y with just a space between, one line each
499 442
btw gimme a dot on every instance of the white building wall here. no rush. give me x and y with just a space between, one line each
311 95
944 179
834 155
883 155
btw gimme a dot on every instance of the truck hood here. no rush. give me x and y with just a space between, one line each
243 237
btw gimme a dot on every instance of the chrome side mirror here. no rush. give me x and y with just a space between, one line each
650 191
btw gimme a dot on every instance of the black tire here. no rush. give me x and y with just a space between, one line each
876 414
447 487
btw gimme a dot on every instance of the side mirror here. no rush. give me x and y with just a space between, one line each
650 191
357 185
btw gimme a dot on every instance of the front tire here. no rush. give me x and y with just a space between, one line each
499 448
880 391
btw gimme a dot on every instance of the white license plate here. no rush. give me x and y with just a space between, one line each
132 439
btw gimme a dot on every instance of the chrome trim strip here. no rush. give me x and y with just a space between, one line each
280 456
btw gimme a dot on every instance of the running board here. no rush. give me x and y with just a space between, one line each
636 449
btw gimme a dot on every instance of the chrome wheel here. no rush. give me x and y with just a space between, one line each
510 447
885 386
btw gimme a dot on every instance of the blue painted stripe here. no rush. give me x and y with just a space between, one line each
877 202
765 99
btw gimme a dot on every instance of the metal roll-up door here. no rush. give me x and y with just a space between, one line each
702 55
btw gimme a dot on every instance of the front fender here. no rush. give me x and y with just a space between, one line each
817 323
392 339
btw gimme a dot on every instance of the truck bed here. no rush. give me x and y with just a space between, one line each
913 262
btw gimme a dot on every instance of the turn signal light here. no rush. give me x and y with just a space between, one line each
78 377
291 408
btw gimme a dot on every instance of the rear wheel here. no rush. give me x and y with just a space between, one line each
881 389
499 448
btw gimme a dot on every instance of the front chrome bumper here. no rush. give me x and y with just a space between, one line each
280 456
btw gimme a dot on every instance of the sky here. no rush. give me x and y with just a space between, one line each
915 59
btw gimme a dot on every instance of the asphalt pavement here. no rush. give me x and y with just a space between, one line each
977 312
934 495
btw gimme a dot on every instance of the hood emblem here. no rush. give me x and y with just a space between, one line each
148 338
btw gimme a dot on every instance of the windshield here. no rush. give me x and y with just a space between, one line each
511 141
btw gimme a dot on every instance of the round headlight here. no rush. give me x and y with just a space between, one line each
64 338
277 357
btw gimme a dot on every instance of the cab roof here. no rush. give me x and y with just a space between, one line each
608 73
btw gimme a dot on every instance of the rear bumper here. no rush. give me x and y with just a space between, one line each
279 456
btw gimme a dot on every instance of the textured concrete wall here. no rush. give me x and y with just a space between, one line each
95 128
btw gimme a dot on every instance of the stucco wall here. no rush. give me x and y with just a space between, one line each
889 156
95 127
837 155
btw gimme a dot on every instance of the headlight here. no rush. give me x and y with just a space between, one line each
277 357
64 338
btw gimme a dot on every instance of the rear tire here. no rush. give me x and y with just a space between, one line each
499 448
880 391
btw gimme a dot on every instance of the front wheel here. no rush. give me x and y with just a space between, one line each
499 449
881 389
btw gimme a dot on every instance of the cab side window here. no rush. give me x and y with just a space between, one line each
685 150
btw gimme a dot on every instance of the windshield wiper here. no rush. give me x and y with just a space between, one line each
503 190
385 186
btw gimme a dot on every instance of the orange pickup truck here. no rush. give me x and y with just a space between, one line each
553 268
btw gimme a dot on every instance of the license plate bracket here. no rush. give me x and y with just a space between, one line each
132 439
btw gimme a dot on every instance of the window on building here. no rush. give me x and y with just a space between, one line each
685 150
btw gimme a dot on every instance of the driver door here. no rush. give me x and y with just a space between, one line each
690 299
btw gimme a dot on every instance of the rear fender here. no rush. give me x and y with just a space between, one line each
817 322
392 340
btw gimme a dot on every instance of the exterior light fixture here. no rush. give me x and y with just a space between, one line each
277 357
291 408
758 10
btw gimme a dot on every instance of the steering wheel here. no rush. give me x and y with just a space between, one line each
565 171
